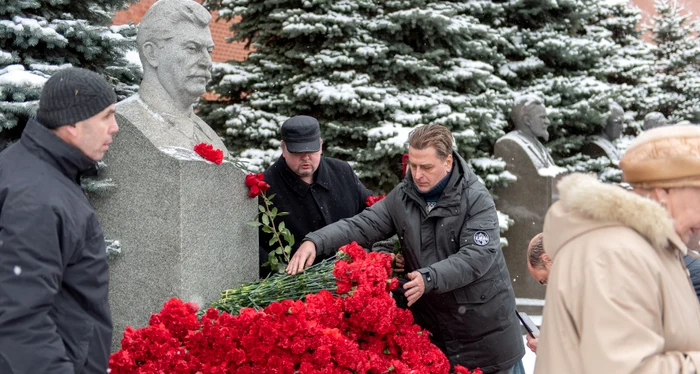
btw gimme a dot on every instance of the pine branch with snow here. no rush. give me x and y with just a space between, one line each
39 38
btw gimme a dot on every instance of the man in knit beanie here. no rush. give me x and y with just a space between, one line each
54 279
78 106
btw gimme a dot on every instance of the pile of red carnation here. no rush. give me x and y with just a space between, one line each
360 331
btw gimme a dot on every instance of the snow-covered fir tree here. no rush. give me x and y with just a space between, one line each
370 72
632 61
579 56
38 37
675 88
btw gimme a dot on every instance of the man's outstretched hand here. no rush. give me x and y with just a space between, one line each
303 258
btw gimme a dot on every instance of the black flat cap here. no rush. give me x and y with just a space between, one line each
302 134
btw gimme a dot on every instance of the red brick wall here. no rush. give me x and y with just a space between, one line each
219 31
648 12
234 51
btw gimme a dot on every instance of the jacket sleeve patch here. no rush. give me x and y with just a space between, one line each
481 238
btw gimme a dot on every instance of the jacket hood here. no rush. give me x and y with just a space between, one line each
586 204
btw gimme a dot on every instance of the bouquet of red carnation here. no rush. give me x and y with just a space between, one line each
209 153
360 331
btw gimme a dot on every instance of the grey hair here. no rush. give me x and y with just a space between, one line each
521 106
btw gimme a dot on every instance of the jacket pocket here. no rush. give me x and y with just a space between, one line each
478 293
481 224
480 309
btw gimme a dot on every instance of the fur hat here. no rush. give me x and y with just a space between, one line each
664 157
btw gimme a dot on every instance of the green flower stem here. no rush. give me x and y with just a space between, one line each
274 228
279 287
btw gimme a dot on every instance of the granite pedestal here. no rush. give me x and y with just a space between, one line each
181 222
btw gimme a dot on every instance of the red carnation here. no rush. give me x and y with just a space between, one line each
371 200
459 369
256 184
404 163
208 153
361 331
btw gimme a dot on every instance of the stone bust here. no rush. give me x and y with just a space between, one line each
175 47
653 120
602 145
529 116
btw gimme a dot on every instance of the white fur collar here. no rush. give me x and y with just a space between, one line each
605 202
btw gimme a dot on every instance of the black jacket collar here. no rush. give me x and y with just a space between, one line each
296 184
70 161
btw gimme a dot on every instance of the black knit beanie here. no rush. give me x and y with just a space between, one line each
72 95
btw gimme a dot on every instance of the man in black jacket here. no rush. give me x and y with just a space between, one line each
315 190
54 308
447 225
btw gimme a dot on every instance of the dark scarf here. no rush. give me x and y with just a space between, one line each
432 196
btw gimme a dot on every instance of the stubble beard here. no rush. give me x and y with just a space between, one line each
305 172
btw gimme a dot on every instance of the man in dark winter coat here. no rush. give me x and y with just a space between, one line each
315 190
54 308
446 221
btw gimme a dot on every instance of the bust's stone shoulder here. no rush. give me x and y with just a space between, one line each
209 132
599 146
513 136
133 111
511 145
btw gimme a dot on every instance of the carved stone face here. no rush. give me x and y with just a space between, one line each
184 63
537 121
613 126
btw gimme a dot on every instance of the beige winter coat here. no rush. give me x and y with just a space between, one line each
619 299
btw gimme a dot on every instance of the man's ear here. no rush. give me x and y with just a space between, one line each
546 259
68 133
449 160
150 52
526 120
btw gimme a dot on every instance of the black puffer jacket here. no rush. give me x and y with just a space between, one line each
469 304
54 309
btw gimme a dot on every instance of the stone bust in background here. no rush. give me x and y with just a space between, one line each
654 119
529 116
613 125
527 198
602 145
175 47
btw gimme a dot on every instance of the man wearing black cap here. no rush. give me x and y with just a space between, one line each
315 190
54 309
